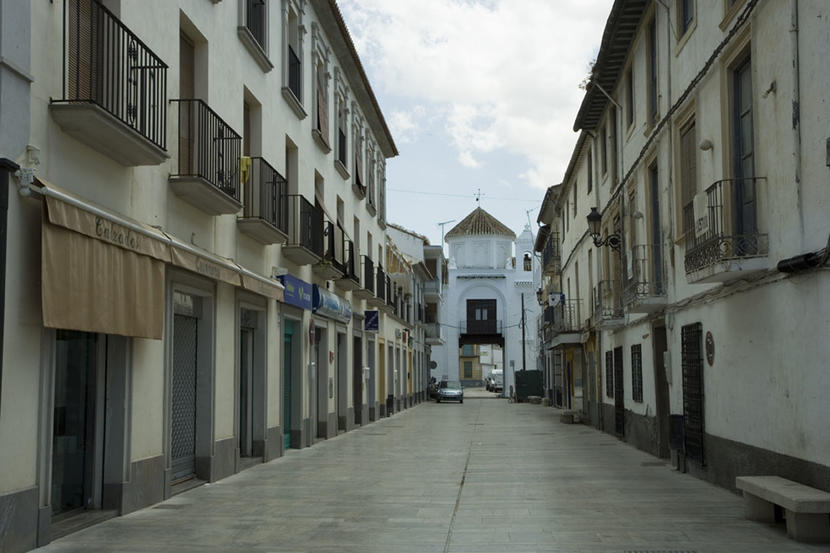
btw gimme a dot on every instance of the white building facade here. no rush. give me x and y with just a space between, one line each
695 306
198 232
482 302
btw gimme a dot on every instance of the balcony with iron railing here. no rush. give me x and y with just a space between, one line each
551 255
333 263
379 299
608 304
435 334
366 290
722 238
485 327
207 170
432 289
305 232
351 276
645 290
265 204
114 95
293 91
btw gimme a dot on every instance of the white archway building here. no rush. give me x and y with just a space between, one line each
489 270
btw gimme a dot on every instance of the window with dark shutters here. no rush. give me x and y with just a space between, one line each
609 374
692 361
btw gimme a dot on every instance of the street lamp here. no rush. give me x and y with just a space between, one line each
612 240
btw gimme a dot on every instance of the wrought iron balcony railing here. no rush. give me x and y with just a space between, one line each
647 278
106 64
380 280
305 224
551 256
266 195
728 229
608 300
208 147
294 73
368 274
564 317
488 326
352 260
335 245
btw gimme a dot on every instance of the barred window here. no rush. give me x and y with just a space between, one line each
637 373
609 374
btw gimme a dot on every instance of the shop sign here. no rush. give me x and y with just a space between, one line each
297 292
331 305
371 320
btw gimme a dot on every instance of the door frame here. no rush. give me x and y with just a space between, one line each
205 290
259 374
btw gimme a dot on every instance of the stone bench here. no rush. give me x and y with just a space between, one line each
807 509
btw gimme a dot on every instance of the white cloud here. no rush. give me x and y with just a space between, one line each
504 72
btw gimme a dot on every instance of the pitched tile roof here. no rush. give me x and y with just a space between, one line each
480 222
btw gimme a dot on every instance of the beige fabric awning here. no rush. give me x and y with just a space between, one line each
102 272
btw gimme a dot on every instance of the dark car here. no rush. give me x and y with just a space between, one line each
450 390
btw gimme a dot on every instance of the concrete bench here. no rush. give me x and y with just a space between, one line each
807 509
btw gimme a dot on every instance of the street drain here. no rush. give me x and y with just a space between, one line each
169 506
660 551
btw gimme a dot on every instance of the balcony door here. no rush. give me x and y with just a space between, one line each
744 153
481 317
187 90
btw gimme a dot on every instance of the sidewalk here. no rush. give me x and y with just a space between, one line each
482 476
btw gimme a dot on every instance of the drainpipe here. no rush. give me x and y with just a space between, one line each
796 113
7 167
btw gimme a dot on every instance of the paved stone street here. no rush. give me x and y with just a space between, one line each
483 476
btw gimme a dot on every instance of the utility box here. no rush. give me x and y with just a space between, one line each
528 383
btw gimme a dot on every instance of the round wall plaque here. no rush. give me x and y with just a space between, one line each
710 348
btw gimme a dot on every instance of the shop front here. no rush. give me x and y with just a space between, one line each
297 429
334 308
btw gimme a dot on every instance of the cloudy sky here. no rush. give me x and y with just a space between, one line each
479 94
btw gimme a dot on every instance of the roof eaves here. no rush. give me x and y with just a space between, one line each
620 30
392 149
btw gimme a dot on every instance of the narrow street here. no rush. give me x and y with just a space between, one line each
482 476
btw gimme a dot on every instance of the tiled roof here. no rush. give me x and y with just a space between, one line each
480 222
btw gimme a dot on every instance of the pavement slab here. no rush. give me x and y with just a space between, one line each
483 476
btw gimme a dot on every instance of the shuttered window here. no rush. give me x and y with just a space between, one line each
637 373
688 175
609 374
692 361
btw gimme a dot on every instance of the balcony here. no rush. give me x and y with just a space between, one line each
435 335
481 328
722 241
265 213
351 278
367 285
114 96
305 232
332 265
562 322
389 294
551 256
208 166
432 290
609 308
645 292
379 299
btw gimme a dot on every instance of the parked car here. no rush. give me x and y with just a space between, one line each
450 390
497 377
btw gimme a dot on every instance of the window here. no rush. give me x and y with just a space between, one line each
743 169
691 360
293 32
685 16
603 150
609 374
359 185
341 155
467 350
613 118
322 101
637 373
527 262
468 369
688 175
590 171
370 174
652 71
629 97
574 199
256 20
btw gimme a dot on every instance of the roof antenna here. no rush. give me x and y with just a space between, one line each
478 197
